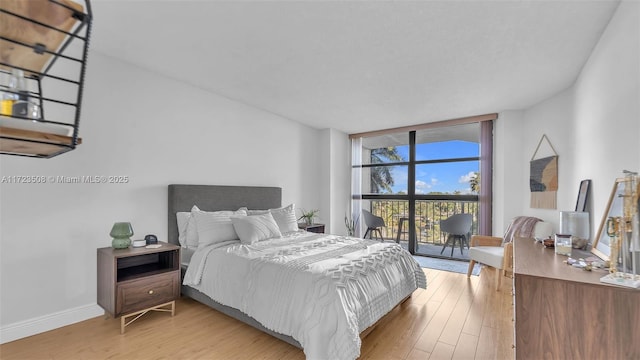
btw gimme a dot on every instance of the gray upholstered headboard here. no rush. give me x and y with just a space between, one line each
218 197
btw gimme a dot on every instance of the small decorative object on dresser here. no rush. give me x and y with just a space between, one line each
132 282
121 233
563 244
139 243
151 239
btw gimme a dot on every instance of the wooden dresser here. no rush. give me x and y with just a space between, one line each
562 312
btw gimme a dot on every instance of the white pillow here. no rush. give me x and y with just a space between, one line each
285 217
214 227
182 218
187 234
252 229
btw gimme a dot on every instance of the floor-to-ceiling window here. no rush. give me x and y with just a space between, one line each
415 177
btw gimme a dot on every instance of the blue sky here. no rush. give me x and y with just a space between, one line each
441 177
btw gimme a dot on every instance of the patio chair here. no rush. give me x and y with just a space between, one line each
458 227
373 223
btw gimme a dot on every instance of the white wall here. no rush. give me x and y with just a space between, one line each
336 179
594 125
155 131
508 170
607 107
552 117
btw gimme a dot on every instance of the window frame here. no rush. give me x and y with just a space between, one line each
484 159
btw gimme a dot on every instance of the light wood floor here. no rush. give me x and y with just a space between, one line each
454 318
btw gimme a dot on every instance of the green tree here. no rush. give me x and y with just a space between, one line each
381 178
474 182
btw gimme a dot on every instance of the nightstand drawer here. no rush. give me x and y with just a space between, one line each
147 292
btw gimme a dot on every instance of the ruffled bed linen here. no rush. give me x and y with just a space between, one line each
322 290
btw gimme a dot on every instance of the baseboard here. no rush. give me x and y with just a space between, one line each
48 322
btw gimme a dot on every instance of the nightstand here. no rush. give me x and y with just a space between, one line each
134 281
315 228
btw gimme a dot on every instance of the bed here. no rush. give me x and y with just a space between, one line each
317 292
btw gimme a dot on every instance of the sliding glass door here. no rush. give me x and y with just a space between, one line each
447 165
414 179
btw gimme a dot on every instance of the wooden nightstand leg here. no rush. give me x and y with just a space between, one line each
123 319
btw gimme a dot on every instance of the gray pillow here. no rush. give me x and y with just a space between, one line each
254 228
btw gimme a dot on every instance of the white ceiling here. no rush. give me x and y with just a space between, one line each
360 65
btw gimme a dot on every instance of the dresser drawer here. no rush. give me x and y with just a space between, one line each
146 292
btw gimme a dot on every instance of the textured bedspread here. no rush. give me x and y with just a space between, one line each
322 290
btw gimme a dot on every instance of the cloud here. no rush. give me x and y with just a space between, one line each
422 186
464 179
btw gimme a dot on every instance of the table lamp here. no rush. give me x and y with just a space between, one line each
121 233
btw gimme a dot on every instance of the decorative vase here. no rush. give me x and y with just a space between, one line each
121 233
563 244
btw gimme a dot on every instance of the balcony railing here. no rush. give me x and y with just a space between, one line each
427 218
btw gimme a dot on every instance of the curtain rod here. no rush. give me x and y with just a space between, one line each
436 124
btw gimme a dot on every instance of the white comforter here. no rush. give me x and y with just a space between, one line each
322 290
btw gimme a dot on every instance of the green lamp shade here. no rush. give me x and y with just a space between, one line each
121 233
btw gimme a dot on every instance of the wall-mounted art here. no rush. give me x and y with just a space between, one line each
543 179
